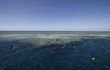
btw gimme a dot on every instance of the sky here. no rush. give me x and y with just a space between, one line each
54 15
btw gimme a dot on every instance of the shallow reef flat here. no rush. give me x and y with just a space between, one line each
54 50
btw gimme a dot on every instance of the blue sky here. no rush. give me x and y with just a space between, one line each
58 15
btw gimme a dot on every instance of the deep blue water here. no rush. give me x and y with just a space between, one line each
86 54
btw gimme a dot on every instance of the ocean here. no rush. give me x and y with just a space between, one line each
54 50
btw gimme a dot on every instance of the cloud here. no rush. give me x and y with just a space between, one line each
62 27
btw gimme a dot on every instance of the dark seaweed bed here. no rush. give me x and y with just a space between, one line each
77 55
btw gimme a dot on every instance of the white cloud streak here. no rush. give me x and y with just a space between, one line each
44 27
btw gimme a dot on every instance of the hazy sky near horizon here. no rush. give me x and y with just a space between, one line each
63 15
